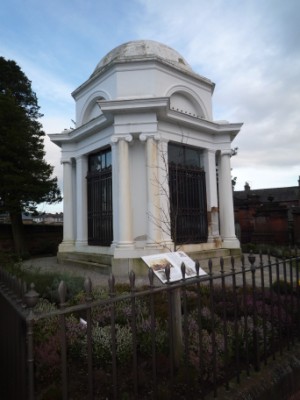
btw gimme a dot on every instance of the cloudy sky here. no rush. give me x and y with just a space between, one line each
249 48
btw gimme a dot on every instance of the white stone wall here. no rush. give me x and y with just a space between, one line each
137 107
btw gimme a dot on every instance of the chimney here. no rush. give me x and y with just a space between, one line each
247 187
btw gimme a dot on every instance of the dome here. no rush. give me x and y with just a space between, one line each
140 50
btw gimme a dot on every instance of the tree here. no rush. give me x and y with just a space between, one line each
25 177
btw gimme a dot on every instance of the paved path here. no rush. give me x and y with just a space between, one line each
50 264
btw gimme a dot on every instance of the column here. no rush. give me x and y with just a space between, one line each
81 204
226 202
164 195
123 202
153 207
68 201
115 192
212 195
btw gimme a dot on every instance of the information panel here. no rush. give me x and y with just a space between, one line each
158 263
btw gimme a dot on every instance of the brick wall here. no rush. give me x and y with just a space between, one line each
41 239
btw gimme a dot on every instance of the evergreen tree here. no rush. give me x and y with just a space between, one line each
25 177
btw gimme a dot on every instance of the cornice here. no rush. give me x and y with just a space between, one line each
133 105
82 131
211 127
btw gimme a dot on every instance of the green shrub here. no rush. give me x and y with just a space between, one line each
144 336
47 283
102 344
44 329
282 287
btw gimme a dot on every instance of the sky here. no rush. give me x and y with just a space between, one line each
249 48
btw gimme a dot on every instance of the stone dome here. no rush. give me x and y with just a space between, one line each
140 50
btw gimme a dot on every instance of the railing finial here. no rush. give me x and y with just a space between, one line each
31 297
168 272
183 269
132 279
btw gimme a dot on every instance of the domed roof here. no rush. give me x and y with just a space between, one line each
140 50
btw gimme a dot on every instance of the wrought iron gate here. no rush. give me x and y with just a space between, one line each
188 207
100 227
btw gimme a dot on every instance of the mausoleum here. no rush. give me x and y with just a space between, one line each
146 169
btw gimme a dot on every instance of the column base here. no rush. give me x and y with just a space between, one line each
66 246
153 245
217 240
231 243
81 244
124 245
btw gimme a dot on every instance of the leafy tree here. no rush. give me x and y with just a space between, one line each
25 177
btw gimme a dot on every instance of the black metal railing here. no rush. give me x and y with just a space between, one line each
187 338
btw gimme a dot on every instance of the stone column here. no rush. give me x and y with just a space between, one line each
164 195
68 202
123 191
81 197
115 192
226 202
153 207
212 195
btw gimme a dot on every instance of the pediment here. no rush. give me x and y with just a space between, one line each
186 104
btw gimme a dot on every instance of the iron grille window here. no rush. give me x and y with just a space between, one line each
99 181
188 207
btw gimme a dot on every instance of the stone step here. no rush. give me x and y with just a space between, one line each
88 265
215 255
94 262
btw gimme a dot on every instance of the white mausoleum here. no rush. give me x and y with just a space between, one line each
146 169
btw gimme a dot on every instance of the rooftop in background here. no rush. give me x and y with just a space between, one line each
281 195
43 218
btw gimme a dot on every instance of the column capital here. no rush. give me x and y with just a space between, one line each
227 152
211 151
115 138
145 136
66 161
81 157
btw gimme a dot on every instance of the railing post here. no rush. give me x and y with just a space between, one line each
236 328
225 330
251 258
152 315
199 317
31 299
245 314
112 294
175 298
262 278
213 332
88 299
279 313
185 329
134 332
62 293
